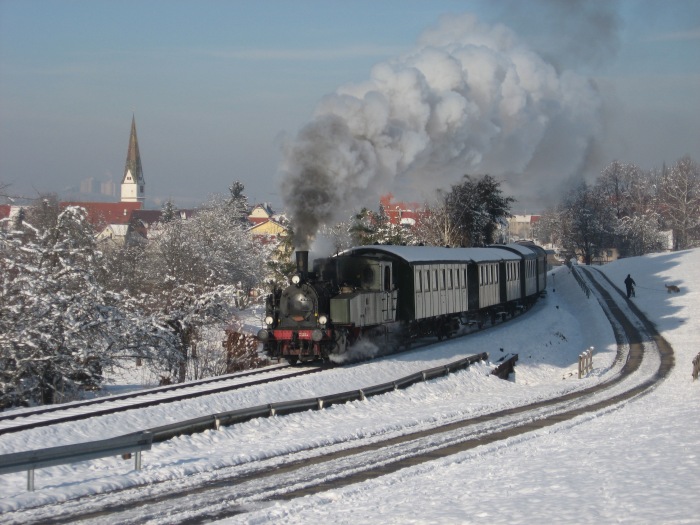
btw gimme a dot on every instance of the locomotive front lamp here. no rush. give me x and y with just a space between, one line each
296 279
322 319
269 320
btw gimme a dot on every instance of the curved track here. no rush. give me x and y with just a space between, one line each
645 359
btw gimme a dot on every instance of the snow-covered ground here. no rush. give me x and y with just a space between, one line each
637 463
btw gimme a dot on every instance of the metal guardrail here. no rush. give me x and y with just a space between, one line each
49 457
137 442
696 367
580 281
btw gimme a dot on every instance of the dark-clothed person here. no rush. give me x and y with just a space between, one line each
630 284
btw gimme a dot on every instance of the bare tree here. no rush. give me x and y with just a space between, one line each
680 197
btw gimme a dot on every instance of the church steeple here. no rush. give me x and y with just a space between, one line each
133 183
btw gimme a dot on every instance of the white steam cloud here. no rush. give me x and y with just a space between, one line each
470 98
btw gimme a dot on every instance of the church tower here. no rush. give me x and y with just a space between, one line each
133 184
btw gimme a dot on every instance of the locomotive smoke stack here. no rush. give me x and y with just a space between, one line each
303 263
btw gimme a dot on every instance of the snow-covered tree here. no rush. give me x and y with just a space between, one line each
547 230
641 233
58 325
680 196
197 272
587 222
471 212
168 212
238 205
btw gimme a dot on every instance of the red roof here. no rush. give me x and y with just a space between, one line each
398 211
100 214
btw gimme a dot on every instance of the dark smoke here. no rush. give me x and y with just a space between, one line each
470 98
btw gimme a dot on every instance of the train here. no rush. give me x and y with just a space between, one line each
394 295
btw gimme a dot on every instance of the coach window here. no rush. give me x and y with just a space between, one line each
435 280
387 278
444 280
427 280
419 281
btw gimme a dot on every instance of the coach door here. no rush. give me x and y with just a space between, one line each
442 290
388 293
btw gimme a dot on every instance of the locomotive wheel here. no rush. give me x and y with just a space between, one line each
292 359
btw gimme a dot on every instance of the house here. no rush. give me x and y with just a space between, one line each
100 214
268 231
118 236
522 227
400 213
8 213
261 213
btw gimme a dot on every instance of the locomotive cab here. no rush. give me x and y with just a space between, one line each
367 292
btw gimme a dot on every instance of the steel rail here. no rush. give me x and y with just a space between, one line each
287 478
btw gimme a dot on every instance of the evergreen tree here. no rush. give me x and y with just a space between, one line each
168 212
587 223
474 210
238 203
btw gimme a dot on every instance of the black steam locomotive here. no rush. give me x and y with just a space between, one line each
393 295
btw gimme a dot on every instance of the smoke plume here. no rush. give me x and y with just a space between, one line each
469 98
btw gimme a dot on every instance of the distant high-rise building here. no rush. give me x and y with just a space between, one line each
86 185
108 188
133 183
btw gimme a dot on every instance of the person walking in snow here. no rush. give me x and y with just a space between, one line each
630 284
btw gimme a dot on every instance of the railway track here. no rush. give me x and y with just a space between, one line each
16 421
644 358
36 417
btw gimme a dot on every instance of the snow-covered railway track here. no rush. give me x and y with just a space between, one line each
44 416
645 357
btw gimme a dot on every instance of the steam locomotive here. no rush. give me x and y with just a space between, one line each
393 295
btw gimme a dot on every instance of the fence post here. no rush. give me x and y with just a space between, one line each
585 362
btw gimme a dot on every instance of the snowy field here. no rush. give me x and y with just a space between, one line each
637 463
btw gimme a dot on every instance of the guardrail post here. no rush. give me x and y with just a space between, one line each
137 460
30 480
696 367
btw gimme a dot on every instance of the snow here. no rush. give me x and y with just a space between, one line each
416 254
637 462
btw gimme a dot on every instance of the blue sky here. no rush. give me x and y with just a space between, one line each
215 85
